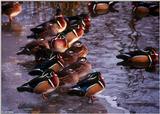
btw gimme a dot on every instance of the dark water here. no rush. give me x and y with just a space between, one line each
133 89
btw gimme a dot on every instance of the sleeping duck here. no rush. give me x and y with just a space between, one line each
74 52
139 58
11 9
92 84
68 57
44 84
100 7
74 72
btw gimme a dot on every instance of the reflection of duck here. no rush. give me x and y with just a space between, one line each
11 9
142 9
98 8
37 48
14 27
89 86
140 58
74 72
44 84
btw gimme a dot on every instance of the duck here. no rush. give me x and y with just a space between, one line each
74 72
39 48
51 27
91 85
11 9
140 58
72 54
58 61
85 18
102 7
46 29
55 63
143 9
44 84
64 40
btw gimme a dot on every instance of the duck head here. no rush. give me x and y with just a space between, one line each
24 51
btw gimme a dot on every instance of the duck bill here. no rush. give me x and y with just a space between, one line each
22 51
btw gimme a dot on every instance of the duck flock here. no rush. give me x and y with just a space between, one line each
60 56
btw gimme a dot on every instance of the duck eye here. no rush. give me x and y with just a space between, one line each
70 70
83 60
77 44
70 52
27 49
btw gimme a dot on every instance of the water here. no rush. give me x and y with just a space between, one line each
133 90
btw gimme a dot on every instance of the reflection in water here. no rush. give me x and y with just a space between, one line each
14 27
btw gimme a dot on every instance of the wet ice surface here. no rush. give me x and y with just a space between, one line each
108 35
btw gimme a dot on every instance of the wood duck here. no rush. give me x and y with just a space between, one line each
55 63
142 9
51 27
63 41
72 20
74 72
98 8
44 84
11 9
92 84
74 52
141 58
39 48
46 29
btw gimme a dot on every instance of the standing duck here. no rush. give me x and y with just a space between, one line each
142 9
11 9
45 29
92 84
144 58
39 49
44 84
54 26
74 72
98 8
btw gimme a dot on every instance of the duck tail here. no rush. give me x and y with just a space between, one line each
24 89
123 56
75 92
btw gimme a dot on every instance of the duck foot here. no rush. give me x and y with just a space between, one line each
92 99
45 97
